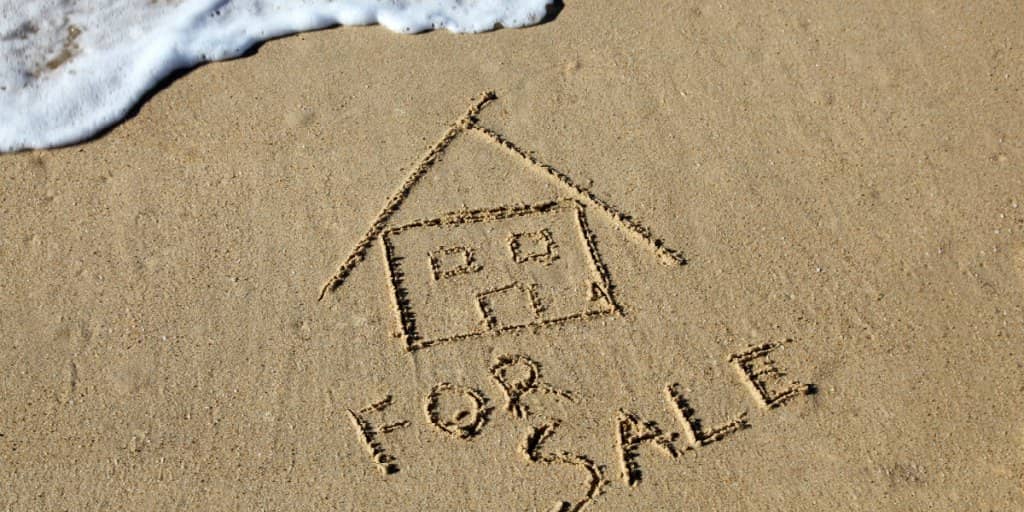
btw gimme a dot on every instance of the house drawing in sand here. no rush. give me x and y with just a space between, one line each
478 272
473 273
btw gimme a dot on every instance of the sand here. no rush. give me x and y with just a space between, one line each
519 332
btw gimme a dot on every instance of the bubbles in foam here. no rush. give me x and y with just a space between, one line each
69 69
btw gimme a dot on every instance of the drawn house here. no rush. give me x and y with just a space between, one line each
478 272
473 273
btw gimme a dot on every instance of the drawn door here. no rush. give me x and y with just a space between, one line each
509 306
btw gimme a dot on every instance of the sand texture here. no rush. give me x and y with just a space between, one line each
685 256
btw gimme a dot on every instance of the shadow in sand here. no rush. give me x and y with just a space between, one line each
553 11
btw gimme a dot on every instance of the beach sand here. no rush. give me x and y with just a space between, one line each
844 183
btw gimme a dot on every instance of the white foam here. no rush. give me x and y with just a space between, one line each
69 68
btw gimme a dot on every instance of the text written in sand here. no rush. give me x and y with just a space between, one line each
474 274
462 412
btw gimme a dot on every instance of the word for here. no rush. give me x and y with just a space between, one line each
463 412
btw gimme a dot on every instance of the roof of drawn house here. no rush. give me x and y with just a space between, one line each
469 122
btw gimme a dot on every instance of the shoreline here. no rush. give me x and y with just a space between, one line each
844 184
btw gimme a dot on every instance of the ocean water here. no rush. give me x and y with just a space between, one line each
71 68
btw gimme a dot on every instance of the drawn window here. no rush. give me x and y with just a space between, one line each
538 246
448 262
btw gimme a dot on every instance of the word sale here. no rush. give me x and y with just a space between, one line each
462 412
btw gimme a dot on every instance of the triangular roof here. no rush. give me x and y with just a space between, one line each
470 122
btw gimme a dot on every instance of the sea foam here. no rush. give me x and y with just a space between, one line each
69 69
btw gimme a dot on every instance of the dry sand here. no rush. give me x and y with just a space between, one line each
846 177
